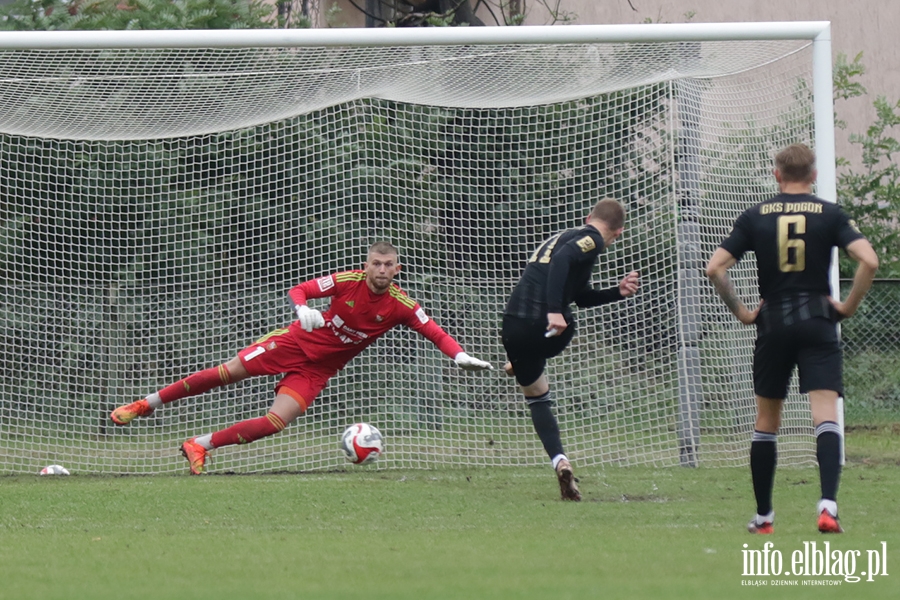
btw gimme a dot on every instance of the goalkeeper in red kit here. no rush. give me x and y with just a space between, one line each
364 305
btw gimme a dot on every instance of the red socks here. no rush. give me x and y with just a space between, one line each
199 382
248 431
239 433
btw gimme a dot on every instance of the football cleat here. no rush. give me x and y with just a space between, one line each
762 528
126 414
568 484
195 454
829 523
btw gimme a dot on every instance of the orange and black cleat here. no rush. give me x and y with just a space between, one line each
195 454
829 523
126 414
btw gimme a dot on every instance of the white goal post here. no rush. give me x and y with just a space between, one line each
164 189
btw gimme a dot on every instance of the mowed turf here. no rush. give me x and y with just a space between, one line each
467 533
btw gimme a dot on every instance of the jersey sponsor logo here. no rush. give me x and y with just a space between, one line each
350 303
586 243
423 318
325 283
348 335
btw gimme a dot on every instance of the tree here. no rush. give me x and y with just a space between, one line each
871 193
445 13
46 15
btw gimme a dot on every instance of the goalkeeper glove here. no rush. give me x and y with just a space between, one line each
468 363
309 318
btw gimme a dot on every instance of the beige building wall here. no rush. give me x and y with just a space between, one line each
868 26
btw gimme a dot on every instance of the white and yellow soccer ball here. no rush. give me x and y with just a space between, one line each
54 470
362 443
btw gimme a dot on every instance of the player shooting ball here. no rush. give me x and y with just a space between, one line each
538 323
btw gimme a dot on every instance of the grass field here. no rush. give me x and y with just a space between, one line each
468 533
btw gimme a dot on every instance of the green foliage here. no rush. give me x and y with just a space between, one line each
870 193
47 15
872 355
844 84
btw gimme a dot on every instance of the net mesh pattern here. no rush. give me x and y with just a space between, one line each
158 204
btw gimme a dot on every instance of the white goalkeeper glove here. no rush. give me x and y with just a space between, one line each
309 318
468 363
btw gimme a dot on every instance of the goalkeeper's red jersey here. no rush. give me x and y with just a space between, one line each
357 317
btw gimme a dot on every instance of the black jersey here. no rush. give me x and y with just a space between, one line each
558 273
792 236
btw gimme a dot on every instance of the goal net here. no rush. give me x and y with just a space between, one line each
159 202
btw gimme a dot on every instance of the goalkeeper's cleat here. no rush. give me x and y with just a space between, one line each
508 369
126 414
761 525
829 523
195 454
568 484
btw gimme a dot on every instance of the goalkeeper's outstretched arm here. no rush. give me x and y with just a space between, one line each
445 342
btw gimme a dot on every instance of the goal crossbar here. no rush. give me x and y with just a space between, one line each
427 36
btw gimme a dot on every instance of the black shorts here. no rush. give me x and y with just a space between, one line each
528 349
811 345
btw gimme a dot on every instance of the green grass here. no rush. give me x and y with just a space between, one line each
468 533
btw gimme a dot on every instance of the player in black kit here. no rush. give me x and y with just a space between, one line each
538 323
792 236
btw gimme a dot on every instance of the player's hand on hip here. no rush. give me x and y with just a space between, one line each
748 317
842 310
629 285
309 318
470 363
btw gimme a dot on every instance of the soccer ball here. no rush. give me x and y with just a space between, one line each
362 443
54 470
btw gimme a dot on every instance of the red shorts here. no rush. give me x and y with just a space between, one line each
278 352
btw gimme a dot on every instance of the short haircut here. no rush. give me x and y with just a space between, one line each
796 163
383 248
610 212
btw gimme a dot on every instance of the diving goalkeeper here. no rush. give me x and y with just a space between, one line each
364 305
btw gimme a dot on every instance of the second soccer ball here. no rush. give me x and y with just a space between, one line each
54 470
362 443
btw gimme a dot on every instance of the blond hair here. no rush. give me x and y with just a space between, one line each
383 247
610 212
796 163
